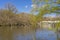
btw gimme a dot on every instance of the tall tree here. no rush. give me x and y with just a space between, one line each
46 6
11 7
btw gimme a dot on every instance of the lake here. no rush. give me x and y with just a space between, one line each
27 33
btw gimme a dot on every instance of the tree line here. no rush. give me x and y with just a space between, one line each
10 16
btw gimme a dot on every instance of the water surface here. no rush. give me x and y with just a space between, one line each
26 33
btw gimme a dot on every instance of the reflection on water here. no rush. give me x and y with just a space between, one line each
26 33
46 35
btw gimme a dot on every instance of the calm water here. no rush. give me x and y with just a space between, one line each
26 33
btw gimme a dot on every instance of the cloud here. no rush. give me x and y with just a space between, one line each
34 5
26 6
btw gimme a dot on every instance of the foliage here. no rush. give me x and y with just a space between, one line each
47 7
9 16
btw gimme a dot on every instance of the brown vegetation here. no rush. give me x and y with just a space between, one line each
9 16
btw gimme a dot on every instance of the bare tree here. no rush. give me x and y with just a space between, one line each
11 7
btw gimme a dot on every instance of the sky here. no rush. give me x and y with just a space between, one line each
50 15
21 5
